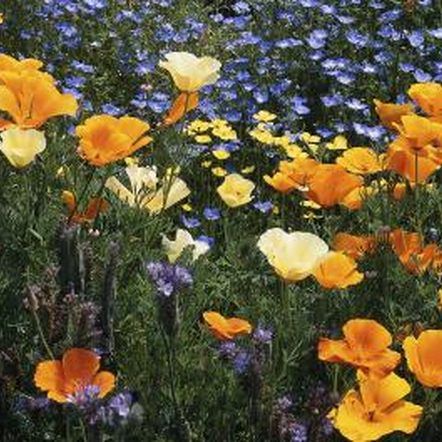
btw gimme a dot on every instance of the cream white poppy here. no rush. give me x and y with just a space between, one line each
21 146
183 240
144 192
295 255
189 72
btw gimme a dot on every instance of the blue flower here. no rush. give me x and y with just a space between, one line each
299 105
111 109
190 222
207 239
421 76
212 213
263 206
416 39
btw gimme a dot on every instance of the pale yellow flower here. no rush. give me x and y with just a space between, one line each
225 133
189 72
293 256
221 154
183 240
309 138
264 116
236 190
198 126
262 135
22 146
219 171
203 139
144 192
247 170
187 207
338 143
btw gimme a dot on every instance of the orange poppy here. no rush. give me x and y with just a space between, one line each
424 357
8 63
365 346
226 328
330 184
105 139
292 174
428 96
354 200
409 248
402 161
31 98
183 104
337 271
390 114
93 209
421 136
281 182
360 160
77 370
376 410
353 245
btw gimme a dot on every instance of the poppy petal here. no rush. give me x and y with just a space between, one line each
105 380
49 376
80 365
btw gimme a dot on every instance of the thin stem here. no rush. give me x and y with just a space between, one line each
41 334
335 379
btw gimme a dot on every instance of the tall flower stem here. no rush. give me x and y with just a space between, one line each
417 192
41 333
170 345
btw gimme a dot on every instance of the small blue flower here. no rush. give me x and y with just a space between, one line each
211 213
263 206
190 222
207 239
111 109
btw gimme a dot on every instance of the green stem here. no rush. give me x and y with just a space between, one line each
335 379
41 334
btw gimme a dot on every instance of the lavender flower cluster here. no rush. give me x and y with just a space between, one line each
168 279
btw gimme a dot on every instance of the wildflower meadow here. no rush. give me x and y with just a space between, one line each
220 221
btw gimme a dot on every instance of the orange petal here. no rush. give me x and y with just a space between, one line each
239 326
80 366
49 377
337 271
334 351
94 208
105 380
367 335
183 104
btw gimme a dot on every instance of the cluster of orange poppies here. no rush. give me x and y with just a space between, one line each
324 184
416 152
30 96
409 247
377 407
